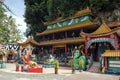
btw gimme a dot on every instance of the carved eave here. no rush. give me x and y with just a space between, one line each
29 41
70 27
77 14
103 30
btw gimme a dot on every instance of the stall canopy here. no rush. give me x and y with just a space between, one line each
111 53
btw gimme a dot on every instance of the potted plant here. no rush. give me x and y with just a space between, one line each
3 65
71 63
56 66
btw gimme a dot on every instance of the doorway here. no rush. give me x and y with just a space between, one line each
97 49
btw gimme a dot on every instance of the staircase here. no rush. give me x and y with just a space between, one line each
94 67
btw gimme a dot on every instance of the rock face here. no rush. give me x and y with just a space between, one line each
110 16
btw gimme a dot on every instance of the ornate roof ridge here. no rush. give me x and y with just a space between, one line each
103 29
77 14
29 41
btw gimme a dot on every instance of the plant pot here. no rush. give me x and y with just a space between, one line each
56 70
73 71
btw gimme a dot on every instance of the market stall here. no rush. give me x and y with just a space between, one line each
111 61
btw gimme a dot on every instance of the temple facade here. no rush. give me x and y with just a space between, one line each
62 35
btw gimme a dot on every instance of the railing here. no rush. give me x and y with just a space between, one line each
67 40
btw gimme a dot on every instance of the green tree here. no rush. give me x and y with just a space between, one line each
8 27
34 16
39 11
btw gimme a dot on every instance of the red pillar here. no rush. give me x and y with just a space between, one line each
86 47
65 49
52 50
116 42
106 63
66 36
53 36
43 38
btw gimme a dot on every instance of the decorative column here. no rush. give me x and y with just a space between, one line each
43 38
53 36
65 49
52 50
66 36
116 42
106 63
86 47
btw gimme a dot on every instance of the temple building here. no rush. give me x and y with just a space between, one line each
62 35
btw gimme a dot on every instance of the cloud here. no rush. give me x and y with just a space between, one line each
21 22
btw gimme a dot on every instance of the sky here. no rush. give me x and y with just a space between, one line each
18 8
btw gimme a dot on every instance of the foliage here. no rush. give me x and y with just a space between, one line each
39 11
56 64
8 27
34 16
71 63
104 5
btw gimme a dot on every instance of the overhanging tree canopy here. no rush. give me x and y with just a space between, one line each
39 11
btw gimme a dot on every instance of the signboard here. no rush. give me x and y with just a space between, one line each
70 22
114 64
12 46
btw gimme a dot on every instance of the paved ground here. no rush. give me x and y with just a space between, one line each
48 74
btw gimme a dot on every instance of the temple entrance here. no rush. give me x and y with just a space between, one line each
96 49
10 56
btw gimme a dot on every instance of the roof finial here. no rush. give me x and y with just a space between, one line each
103 20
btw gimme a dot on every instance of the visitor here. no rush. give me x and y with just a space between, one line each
17 57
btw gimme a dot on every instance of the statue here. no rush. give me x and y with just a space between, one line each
26 58
76 58
82 62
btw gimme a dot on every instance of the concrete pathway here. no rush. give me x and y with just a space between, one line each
48 74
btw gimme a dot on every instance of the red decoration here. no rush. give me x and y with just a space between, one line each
22 68
112 36
88 38
17 68
27 57
35 70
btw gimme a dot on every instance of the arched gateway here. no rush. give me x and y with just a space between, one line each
101 39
